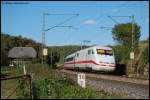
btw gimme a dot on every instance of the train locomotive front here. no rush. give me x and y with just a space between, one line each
95 58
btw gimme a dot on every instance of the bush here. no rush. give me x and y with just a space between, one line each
50 87
144 60
121 53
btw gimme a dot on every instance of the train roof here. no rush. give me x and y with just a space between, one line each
100 47
97 47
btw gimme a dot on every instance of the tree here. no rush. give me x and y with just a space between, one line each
122 33
8 42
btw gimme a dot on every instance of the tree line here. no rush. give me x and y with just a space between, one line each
58 52
8 42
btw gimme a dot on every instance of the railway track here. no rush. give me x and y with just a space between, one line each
128 87
107 76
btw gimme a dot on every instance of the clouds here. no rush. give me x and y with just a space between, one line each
90 22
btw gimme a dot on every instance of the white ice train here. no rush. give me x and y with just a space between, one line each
96 58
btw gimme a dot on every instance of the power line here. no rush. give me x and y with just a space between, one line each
62 26
108 28
57 25
113 19
61 14
120 16
62 22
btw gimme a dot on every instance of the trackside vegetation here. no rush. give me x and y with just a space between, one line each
49 84
52 85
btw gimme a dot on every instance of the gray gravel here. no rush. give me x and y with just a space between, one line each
129 90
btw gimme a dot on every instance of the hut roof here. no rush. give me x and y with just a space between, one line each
22 52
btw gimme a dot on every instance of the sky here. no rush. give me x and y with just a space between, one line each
25 18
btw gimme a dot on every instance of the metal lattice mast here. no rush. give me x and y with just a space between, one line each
58 25
43 36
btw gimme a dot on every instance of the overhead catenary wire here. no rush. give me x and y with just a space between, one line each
75 15
57 25
60 14
113 19
106 27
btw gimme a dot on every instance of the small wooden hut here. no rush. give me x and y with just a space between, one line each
22 55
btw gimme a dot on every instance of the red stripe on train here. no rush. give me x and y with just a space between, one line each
89 61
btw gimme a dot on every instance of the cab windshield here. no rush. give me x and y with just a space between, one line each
104 52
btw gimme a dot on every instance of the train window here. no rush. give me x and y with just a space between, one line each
89 52
92 52
69 59
100 51
104 52
109 52
77 54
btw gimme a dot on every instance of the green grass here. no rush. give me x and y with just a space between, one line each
51 85
8 86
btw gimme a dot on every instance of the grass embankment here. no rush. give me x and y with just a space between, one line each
50 85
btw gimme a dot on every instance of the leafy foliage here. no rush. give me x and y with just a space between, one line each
121 53
122 33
